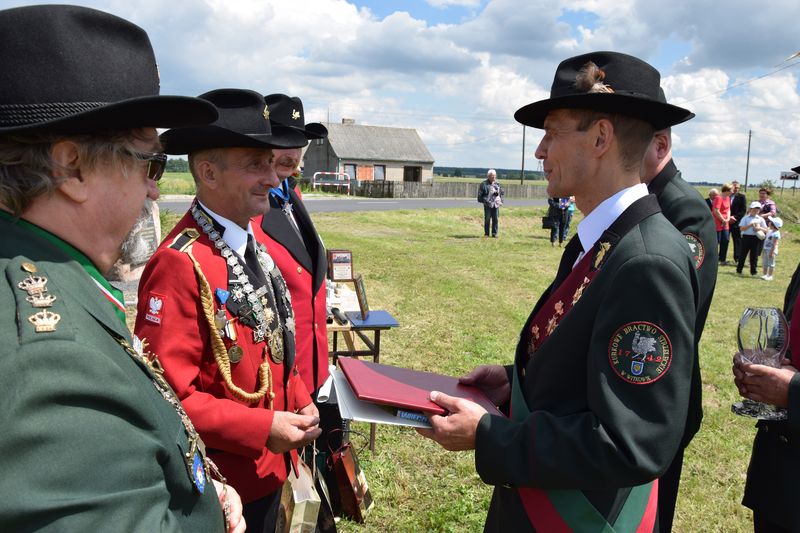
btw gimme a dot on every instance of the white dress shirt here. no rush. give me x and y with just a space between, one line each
606 213
234 235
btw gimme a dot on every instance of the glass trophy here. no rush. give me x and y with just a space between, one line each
763 338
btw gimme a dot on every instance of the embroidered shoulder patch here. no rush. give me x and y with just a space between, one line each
696 248
640 353
155 308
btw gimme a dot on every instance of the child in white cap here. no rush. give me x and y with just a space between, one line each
771 247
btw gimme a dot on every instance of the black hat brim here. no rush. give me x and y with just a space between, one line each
315 130
659 115
179 141
158 111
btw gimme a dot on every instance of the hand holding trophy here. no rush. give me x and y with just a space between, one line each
763 338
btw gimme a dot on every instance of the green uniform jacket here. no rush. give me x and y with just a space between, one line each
774 470
683 206
589 428
87 442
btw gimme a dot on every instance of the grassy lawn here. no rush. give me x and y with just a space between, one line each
461 301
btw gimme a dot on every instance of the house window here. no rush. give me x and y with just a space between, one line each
412 173
380 172
350 169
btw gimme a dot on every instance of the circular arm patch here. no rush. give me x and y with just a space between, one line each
640 353
696 248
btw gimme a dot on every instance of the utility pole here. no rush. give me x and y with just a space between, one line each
522 172
747 168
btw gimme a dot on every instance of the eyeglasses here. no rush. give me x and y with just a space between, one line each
156 163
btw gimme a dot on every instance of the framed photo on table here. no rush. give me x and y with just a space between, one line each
340 265
361 295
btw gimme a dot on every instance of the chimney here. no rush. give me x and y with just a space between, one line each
348 121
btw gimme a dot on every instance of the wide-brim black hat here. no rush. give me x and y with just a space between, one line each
287 111
69 69
244 122
634 86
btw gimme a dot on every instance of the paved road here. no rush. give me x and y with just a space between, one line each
320 204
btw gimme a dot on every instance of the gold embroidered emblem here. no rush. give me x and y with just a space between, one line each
295 114
44 321
33 285
559 307
41 300
551 325
601 253
579 291
265 114
535 332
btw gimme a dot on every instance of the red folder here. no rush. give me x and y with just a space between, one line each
405 388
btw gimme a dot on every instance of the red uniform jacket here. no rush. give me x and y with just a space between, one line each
304 266
171 319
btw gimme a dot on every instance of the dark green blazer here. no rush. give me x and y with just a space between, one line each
589 428
683 206
87 442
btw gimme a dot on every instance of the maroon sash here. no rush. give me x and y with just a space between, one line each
564 297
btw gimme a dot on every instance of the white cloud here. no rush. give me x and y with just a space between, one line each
459 82
448 3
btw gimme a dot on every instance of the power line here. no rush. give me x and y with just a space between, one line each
741 83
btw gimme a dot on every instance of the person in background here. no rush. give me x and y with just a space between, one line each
295 245
570 212
775 461
738 210
297 249
93 438
750 225
768 207
712 193
683 206
771 242
490 194
557 212
212 300
721 208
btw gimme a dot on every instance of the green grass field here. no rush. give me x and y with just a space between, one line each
461 301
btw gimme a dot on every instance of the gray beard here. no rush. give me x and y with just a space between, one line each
134 244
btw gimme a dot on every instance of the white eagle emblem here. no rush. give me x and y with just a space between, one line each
295 114
155 305
641 346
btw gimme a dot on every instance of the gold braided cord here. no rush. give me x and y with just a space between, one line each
218 346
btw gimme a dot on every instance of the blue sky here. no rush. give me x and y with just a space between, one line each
456 70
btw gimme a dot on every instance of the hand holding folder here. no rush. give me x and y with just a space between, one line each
406 392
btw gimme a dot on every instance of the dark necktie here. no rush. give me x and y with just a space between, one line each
251 259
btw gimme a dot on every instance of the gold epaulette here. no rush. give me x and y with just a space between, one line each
184 239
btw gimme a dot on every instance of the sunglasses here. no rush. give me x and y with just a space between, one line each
156 163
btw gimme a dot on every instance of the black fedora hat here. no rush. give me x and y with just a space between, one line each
288 111
68 69
632 89
244 122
